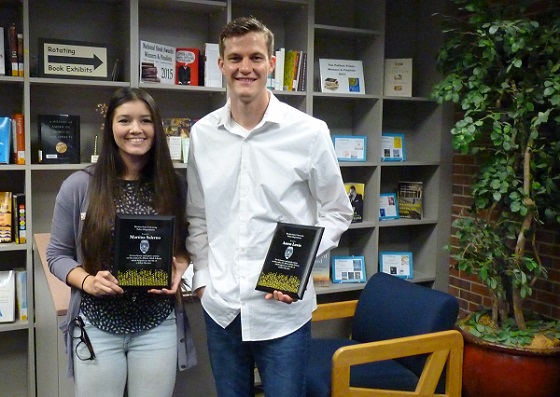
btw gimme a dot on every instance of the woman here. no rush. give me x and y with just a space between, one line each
115 337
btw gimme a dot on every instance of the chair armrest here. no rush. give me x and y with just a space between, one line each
444 347
336 310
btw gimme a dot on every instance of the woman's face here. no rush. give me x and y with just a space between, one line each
133 130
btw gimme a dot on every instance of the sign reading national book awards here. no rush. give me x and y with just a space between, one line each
63 58
290 259
157 63
143 250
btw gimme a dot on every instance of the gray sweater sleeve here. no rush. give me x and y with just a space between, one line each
63 251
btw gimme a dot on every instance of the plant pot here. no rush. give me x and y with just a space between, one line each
491 370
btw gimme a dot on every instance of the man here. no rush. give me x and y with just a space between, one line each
253 163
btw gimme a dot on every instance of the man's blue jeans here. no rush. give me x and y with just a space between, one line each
281 362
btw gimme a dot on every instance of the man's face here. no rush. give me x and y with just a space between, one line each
246 66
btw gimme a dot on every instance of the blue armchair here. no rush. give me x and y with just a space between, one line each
402 340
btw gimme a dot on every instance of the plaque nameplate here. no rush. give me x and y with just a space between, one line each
290 259
143 250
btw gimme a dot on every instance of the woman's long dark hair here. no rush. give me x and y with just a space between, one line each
96 237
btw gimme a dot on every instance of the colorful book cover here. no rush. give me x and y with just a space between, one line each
355 193
410 199
18 138
186 66
59 137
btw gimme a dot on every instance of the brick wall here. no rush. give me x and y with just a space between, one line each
471 293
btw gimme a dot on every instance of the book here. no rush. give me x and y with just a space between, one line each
186 66
398 77
302 79
321 272
388 206
19 221
297 67
348 269
6 217
157 63
2 53
19 38
355 193
12 45
398 264
7 296
392 147
18 138
212 73
350 147
289 260
21 294
289 69
5 139
59 139
341 76
143 250
409 196
279 69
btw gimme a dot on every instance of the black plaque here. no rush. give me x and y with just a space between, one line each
143 250
290 259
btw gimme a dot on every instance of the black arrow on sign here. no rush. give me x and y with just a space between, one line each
95 61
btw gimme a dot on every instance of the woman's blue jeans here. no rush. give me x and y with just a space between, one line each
281 362
146 362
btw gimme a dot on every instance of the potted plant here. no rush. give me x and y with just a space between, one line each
500 62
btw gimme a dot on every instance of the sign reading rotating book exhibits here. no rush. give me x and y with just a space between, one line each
290 258
143 253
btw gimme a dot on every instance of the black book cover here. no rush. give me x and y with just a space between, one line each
59 139
143 250
290 259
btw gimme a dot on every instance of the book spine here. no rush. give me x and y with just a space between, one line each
279 69
5 217
12 35
19 218
2 52
297 66
20 54
289 70
21 294
302 79
5 139
19 139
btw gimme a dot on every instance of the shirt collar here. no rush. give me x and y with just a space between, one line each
273 113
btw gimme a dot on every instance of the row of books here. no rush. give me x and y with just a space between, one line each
13 219
11 51
329 269
160 63
13 295
290 73
405 203
12 139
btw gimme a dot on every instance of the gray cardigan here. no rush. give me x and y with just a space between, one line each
64 254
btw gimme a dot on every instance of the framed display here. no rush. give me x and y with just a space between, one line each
350 147
392 147
348 269
398 264
388 206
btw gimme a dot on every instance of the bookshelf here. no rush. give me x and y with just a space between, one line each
368 30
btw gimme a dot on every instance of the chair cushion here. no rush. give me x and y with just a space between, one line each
382 375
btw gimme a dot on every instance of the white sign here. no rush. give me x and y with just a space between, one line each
74 60
157 63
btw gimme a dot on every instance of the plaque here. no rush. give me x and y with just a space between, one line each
290 259
143 253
